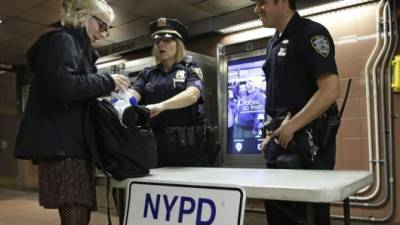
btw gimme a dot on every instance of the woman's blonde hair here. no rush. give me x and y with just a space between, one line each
180 52
78 12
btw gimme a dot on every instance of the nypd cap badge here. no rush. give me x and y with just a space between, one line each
161 22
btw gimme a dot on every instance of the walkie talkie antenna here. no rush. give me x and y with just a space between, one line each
345 99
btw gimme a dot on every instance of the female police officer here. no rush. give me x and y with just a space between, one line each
172 90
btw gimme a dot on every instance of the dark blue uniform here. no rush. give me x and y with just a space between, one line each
178 132
295 60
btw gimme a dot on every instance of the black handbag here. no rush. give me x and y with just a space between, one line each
123 151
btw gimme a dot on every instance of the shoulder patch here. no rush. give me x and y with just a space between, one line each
321 44
197 71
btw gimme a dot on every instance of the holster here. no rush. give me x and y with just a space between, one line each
289 160
330 127
271 125
185 136
308 142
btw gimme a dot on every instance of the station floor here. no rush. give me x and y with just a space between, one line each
22 208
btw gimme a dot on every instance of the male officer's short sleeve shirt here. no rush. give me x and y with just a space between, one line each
295 60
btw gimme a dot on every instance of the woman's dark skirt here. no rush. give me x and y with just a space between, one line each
66 181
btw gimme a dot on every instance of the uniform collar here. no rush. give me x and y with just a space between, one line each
290 27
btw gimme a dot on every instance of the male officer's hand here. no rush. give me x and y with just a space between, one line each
264 143
285 132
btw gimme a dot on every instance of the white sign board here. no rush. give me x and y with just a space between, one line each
151 203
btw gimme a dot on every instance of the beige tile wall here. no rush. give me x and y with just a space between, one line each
8 121
351 55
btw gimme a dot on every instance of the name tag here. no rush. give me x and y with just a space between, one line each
282 52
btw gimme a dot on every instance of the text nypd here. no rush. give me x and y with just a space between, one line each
200 211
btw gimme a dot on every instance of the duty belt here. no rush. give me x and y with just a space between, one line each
171 130
184 136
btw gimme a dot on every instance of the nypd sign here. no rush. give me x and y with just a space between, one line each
181 204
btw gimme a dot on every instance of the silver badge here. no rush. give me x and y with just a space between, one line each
282 52
161 22
197 71
321 44
180 75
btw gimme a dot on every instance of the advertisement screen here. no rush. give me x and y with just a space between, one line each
245 105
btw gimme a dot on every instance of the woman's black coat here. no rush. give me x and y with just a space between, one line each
64 82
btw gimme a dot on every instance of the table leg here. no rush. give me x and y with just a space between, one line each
346 211
121 205
310 216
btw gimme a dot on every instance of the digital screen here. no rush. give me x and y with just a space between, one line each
245 105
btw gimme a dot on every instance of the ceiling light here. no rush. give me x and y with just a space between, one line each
241 26
111 63
303 12
2 19
332 6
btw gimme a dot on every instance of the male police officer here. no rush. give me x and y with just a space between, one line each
302 84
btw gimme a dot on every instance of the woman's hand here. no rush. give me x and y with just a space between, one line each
155 109
121 82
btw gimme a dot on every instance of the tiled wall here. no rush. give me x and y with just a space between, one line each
13 173
354 39
8 121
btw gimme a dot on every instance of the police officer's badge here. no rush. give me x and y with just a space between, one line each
180 76
321 44
161 22
197 71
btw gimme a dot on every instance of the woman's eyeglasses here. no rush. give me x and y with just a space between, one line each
103 27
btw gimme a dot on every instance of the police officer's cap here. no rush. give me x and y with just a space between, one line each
167 28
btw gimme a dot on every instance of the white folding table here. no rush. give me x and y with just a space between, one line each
317 186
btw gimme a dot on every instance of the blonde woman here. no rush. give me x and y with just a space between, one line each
173 91
51 130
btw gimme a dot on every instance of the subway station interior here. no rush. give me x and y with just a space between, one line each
225 37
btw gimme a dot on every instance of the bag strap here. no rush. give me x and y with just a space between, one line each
108 197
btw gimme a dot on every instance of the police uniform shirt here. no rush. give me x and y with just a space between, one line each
155 86
295 60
